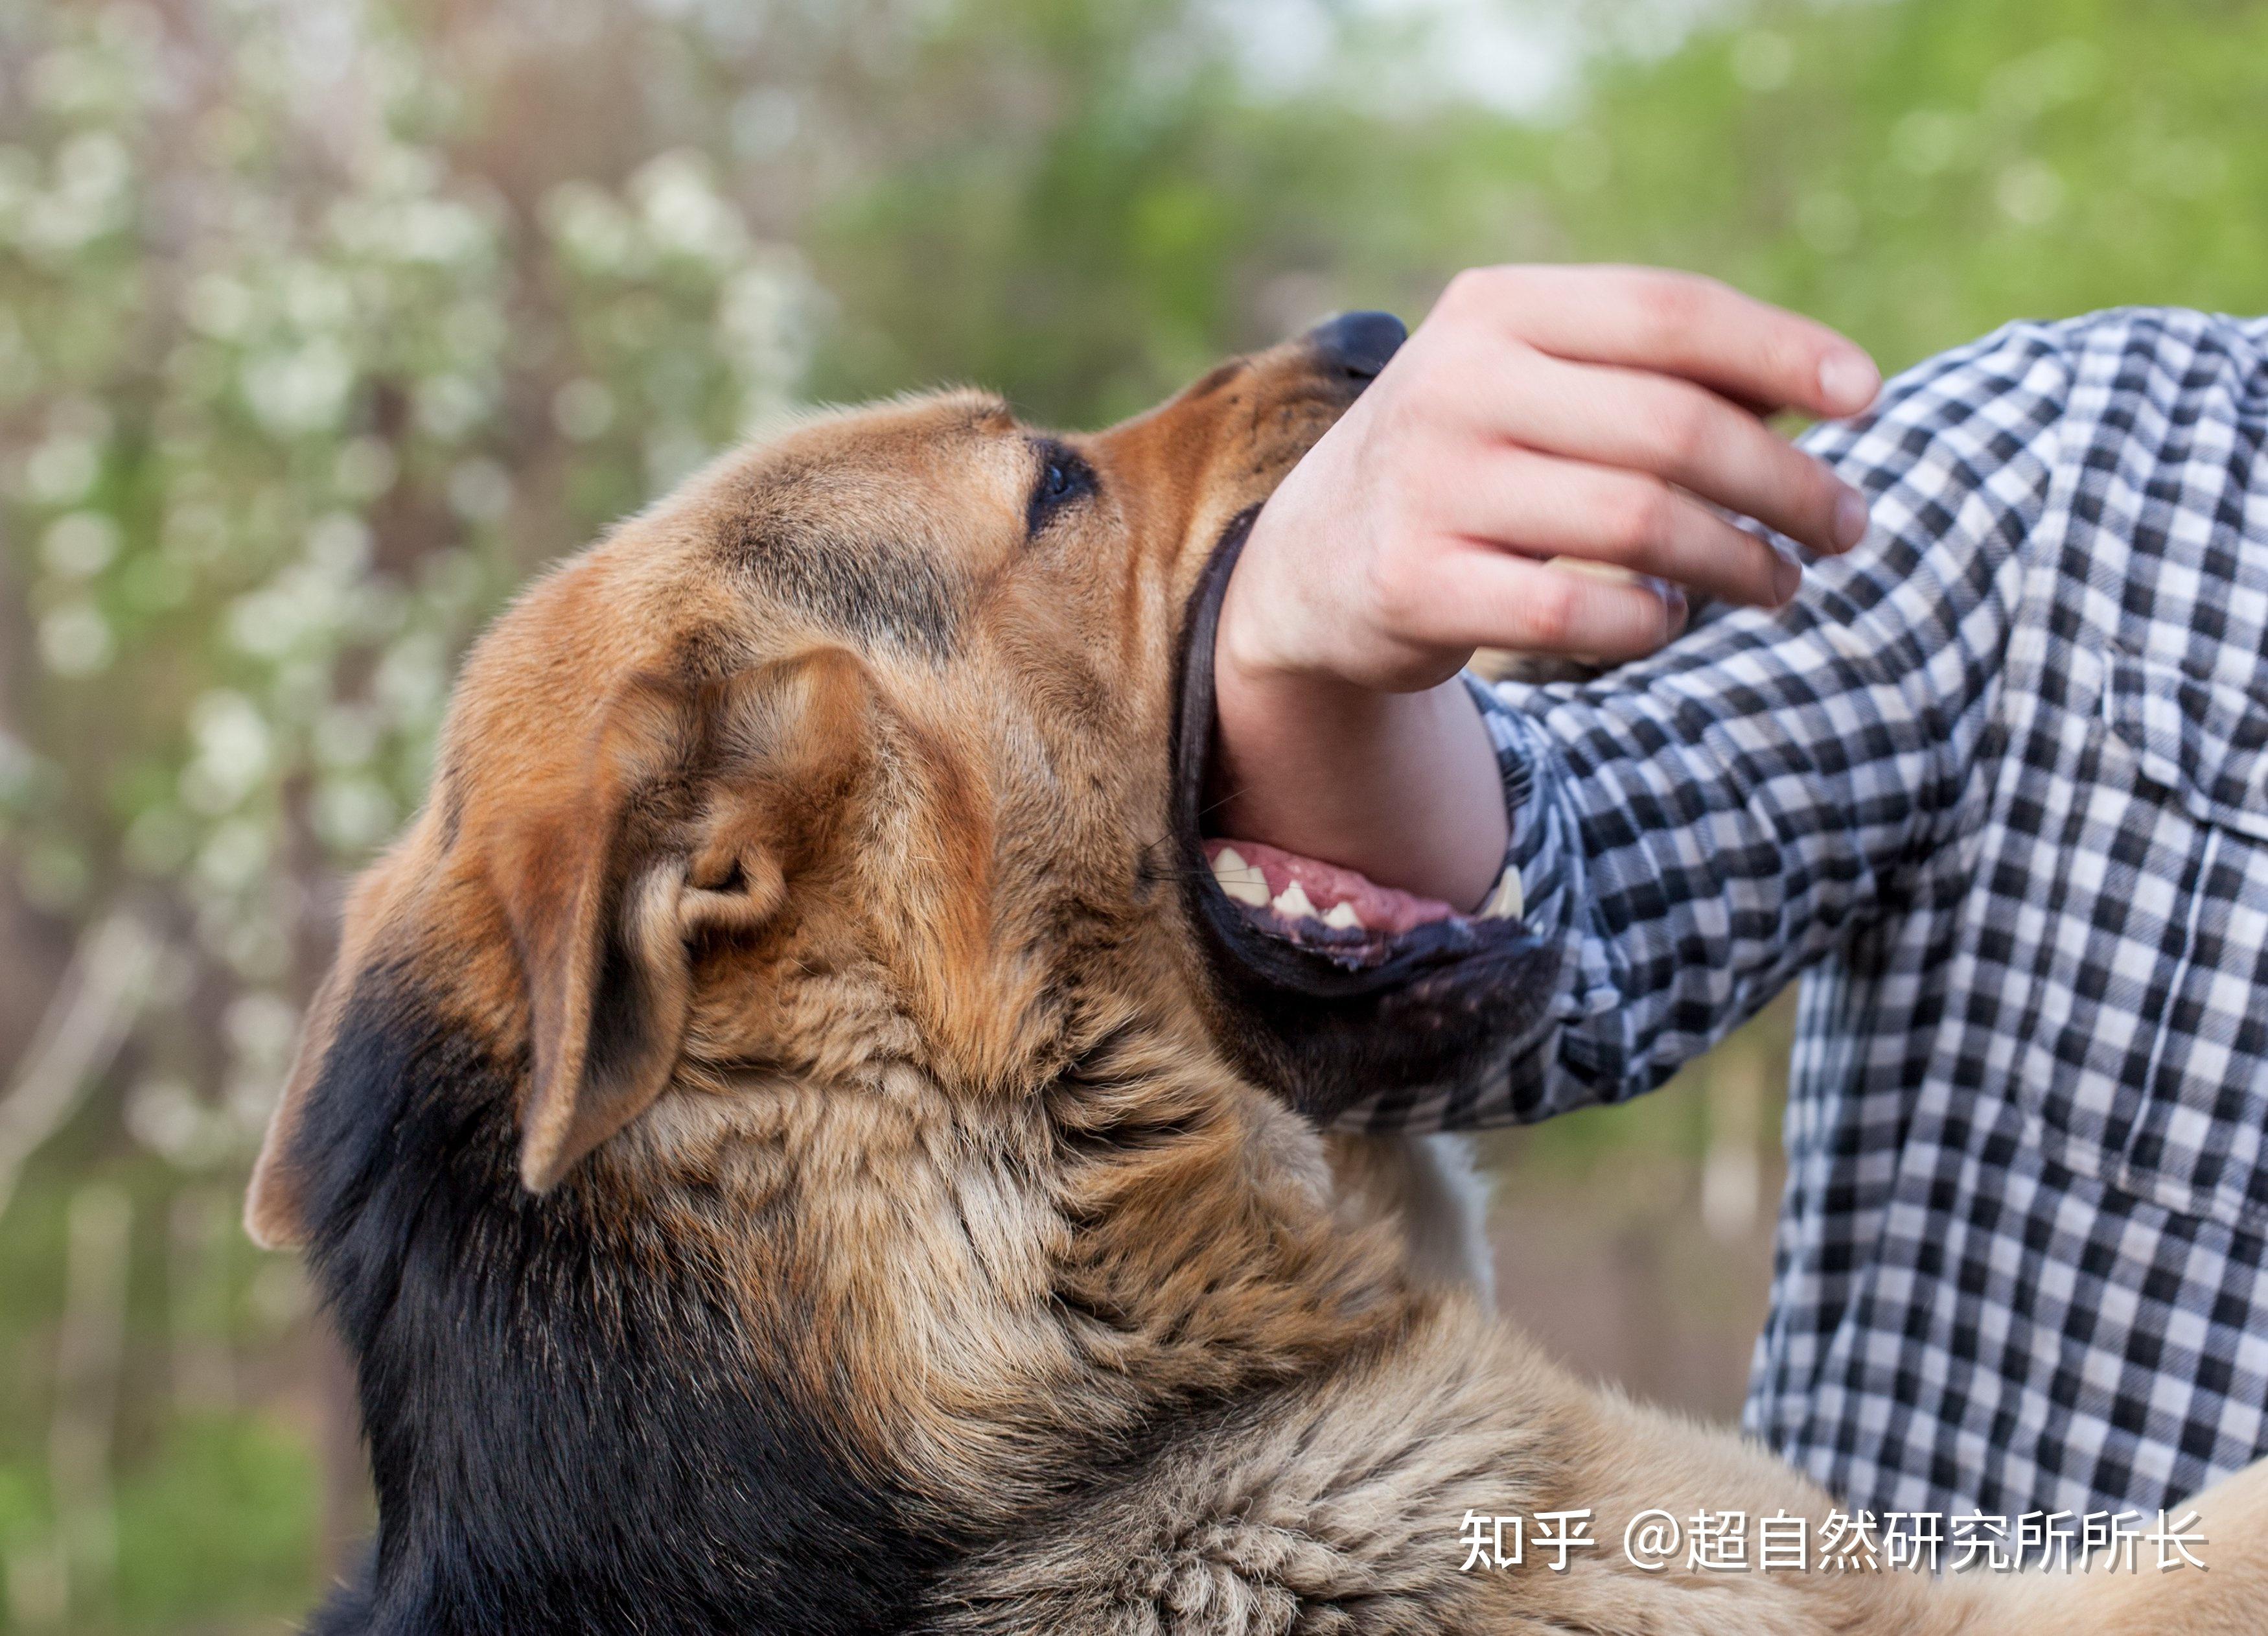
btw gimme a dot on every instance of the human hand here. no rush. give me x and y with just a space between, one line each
1594 414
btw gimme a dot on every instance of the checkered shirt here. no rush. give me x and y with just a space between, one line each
1996 785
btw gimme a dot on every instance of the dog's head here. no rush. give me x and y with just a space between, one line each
884 741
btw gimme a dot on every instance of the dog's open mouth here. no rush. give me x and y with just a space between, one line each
1332 986
1303 900
1297 921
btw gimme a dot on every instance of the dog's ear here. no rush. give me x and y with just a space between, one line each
604 907
675 821
607 904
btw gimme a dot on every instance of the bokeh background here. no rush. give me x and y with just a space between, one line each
323 321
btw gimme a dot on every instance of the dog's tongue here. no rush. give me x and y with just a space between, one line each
1260 876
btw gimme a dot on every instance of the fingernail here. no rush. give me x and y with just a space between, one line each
1851 519
1787 577
1848 381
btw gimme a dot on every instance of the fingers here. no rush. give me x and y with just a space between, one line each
1682 433
1590 414
1678 323
1542 506
1502 601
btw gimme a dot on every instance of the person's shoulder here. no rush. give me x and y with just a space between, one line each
2175 340
2036 375
1985 402
2193 349
2031 352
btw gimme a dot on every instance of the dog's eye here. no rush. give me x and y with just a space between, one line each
1064 479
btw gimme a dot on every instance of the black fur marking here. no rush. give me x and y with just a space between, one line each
571 1427
1448 1003
878 594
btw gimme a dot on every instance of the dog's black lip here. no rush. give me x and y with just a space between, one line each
1326 1027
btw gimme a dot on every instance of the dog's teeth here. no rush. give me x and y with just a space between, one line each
1293 904
1507 902
1241 881
1343 916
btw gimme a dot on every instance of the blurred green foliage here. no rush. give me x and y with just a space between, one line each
1124 214
1919 172
1915 172
321 324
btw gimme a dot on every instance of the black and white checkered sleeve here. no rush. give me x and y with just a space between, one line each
1699 826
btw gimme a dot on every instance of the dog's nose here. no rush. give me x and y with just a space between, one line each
1359 342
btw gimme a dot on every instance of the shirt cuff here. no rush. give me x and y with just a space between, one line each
1544 871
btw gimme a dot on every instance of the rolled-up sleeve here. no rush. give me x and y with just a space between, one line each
1697 828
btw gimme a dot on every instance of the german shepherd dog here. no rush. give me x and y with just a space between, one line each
798 1139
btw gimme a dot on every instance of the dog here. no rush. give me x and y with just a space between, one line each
801 1135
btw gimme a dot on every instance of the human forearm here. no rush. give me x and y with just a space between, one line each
1402 787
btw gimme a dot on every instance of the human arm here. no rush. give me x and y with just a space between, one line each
1695 828
1538 412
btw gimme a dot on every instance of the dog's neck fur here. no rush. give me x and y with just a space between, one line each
574 1401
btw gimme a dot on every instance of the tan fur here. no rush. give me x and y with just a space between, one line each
869 793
